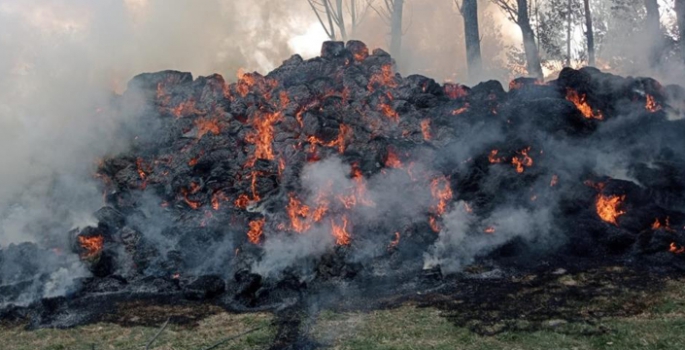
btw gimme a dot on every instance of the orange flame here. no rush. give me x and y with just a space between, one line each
297 212
522 160
493 159
254 235
184 108
392 160
342 237
426 129
442 192
555 180
91 245
582 105
263 134
205 126
666 225
217 198
461 109
385 77
651 104
387 110
607 208
433 222
675 250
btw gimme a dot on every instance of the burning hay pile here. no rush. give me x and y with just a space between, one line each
337 168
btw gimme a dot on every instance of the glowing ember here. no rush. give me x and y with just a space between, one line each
297 212
675 250
489 230
651 104
455 91
599 186
91 245
656 225
217 198
342 237
442 192
426 129
389 112
191 203
385 77
433 222
184 108
205 126
555 180
608 208
522 160
263 135
493 159
254 235
392 160
461 109
582 105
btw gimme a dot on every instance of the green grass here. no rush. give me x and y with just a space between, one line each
660 326
110 336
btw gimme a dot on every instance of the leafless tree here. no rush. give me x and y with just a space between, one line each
391 11
589 33
335 15
469 11
517 12
653 30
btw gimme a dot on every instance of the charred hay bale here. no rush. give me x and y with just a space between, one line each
204 287
247 285
334 49
490 90
554 116
358 49
164 79
110 218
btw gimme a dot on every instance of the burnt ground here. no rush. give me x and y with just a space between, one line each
484 300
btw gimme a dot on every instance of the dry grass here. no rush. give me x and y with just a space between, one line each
111 336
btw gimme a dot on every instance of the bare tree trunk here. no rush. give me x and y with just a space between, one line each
396 29
341 19
680 14
568 34
532 55
653 30
469 11
589 33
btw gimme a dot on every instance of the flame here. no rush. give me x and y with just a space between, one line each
493 159
297 212
522 160
426 129
392 160
389 112
433 222
607 208
651 104
342 237
461 109
184 108
489 230
395 242
339 142
675 250
141 171
254 235
191 203
205 126
555 180
582 105
92 245
454 91
441 192
217 198
385 77
263 134
666 225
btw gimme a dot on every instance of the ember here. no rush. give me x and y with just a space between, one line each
91 245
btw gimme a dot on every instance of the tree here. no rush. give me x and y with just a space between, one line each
517 12
469 11
653 30
391 12
335 15
589 33
680 16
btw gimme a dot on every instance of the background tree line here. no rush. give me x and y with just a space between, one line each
627 36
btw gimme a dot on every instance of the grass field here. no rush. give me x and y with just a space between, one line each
660 326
